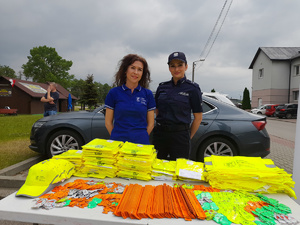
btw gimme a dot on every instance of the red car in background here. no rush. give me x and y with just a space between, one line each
270 109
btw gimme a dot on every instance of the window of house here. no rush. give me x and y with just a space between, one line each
260 73
297 70
295 95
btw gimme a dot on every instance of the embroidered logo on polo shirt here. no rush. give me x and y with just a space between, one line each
141 100
184 93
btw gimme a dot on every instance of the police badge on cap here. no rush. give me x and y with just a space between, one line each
177 55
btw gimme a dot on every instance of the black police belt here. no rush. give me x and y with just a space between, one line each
173 127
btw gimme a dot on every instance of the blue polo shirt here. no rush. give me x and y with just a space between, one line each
130 113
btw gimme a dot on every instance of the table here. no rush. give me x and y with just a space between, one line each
19 209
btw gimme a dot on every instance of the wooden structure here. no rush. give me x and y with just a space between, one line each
25 96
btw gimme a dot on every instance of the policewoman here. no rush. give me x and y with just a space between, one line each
130 105
175 101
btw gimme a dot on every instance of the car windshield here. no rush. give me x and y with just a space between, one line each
280 107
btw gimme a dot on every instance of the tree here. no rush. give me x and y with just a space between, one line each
106 89
77 87
44 64
246 99
7 72
213 90
90 93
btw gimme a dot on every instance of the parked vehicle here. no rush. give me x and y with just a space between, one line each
270 110
224 130
287 110
219 97
260 110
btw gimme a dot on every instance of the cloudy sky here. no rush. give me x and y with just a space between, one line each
96 34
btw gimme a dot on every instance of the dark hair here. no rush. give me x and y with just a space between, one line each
120 76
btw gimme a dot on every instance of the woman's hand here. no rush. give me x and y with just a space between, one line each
150 121
109 118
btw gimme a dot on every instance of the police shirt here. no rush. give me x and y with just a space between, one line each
176 102
47 105
130 113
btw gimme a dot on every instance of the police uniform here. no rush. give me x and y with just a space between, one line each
175 103
130 113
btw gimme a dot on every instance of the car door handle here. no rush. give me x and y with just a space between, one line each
204 123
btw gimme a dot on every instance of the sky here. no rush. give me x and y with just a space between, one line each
96 34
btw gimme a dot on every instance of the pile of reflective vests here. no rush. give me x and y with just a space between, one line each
106 158
252 174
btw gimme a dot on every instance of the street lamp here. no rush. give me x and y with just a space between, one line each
194 65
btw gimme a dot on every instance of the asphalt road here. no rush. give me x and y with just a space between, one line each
283 128
282 134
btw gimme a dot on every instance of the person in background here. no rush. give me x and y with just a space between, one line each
130 105
50 100
175 101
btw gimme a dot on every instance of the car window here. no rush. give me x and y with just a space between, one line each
207 107
280 107
290 106
268 107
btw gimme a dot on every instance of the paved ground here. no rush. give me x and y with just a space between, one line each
282 133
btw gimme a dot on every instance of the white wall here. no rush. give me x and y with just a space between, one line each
295 80
280 75
262 62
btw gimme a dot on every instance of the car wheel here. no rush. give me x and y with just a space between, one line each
62 141
288 116
259 113
216 146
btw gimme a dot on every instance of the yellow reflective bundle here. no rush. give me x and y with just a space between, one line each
188 169
134 175
137 149
100 157
252 174
164 165
145 160
163 176
125 165
73 156
135 161
108 146
100 160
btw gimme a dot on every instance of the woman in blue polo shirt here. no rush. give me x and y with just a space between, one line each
130 105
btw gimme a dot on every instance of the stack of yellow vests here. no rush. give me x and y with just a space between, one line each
135 161
73 156
100 158
252 174
189 170
163 170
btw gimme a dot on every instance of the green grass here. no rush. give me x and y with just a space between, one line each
14 138
17 127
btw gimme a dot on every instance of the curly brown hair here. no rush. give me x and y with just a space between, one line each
120 76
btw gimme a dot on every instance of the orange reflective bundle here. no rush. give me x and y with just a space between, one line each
162 201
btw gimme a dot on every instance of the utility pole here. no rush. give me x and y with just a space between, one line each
194 65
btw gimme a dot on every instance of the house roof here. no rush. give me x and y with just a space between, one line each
277 53
38 90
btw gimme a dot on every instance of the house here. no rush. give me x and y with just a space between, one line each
25 96
275 75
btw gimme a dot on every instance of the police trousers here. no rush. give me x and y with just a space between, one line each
171 145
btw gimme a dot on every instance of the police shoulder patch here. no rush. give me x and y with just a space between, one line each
162 83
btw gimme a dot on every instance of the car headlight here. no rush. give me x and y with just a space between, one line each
37 125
